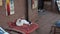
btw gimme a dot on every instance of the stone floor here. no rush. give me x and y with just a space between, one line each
46 21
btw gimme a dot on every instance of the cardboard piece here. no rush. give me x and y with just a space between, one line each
0 2
34 4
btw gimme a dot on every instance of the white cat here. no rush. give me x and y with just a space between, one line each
20 22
